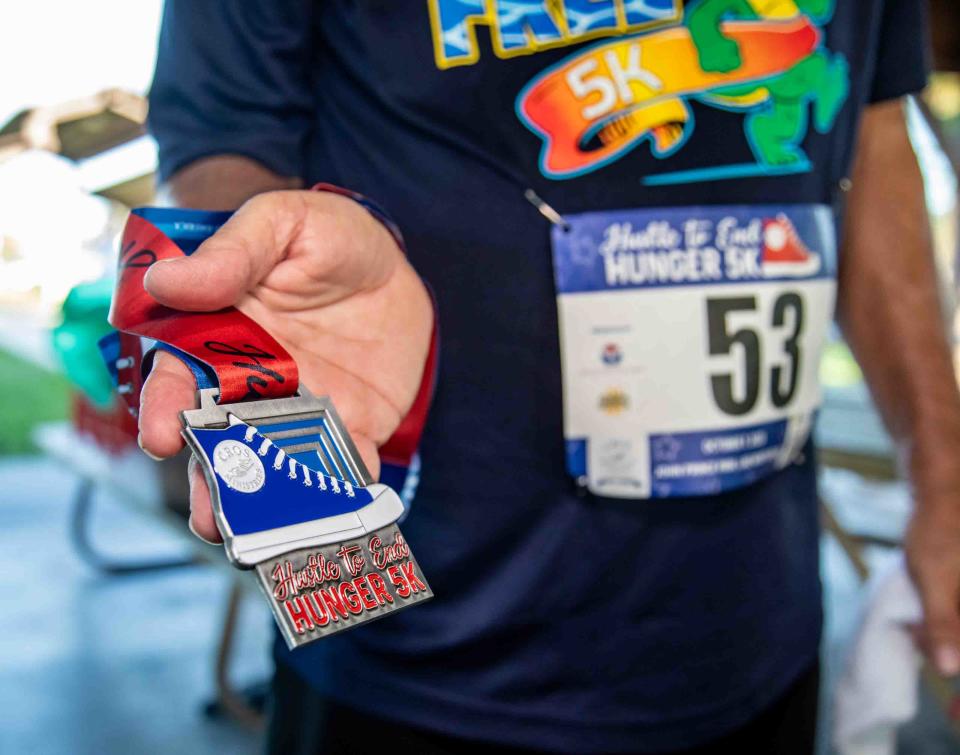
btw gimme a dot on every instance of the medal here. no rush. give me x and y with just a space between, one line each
291 496
294 501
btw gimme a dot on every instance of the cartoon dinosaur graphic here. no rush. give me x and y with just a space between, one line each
763 58
778 109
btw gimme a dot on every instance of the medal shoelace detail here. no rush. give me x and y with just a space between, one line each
295 468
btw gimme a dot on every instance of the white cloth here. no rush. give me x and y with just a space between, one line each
878 690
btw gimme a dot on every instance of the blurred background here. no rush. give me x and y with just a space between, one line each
121 632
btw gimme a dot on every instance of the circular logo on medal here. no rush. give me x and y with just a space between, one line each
238 466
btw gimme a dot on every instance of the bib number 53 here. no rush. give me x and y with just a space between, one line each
788 312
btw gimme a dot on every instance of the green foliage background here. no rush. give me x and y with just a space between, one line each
28 395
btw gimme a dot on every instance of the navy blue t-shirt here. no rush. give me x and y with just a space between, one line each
561 621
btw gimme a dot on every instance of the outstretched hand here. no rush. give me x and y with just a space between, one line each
325 279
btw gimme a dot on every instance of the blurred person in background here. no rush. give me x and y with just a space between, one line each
564 620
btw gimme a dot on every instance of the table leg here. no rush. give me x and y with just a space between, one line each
231 701
80 538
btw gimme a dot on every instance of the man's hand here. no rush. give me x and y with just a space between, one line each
933 557
889 310
325 279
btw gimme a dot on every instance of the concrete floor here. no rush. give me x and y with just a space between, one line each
105 664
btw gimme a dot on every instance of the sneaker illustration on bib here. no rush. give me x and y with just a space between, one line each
784 253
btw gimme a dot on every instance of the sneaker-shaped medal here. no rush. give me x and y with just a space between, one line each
294 501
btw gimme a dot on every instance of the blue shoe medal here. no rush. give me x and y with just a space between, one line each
293 500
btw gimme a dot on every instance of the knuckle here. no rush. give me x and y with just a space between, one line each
165 363
279 207
268 201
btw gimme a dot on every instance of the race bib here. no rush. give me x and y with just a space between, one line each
690 343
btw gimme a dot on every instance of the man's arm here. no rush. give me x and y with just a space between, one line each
232 103
223 182
890 314
233 106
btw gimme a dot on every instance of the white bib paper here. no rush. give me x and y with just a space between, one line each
690 343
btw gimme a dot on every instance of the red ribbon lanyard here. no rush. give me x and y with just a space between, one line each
402 445
249 363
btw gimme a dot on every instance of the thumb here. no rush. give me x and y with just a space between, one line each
234 259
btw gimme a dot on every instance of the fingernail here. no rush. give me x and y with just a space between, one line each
948 660
197 534
170 261
151 455
155 265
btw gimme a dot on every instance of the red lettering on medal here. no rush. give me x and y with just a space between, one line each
298 615
410 575
311 606
351 559
383 555
316 571
318 613
379 588
333 601
283 576
403 589
348 594
360 584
